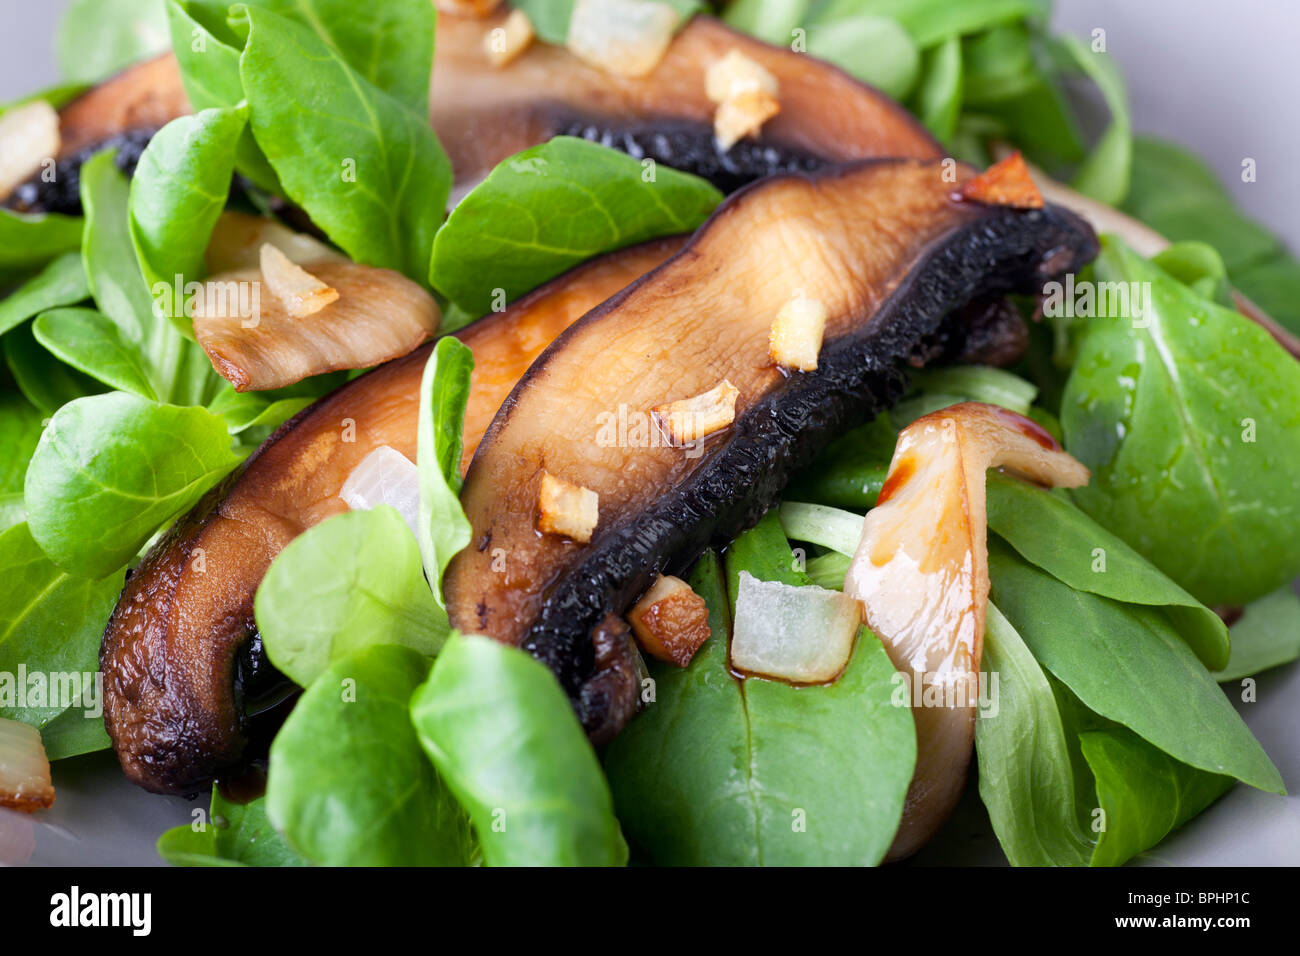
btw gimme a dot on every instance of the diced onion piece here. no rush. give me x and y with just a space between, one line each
1006 183
626 37
567 509
504 43
29 135
468 8
255 342
691 419
385 477
24 770
238 238
921 573
743 115
300 292
736 73
799 634
670 621
796 336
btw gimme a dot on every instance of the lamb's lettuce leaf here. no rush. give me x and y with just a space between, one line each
109 469
1104 174
116 282
550 18
931 21
177 369
62 282
850 471
1143 794
43 380
1189 417
96 38
391 48
20 430
504 738
1126 663
723 772
207 54
1052 534
30 240
877 50
938 97
1267 635
232 834
51 622
772 21
444 393
348 783
1065 786
352 581
1026 777
91 342
366 167
1179 196
552 206
179 189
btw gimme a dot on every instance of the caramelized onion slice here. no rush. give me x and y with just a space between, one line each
24 770
921 573
255 340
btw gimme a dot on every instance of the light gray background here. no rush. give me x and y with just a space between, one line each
1220 78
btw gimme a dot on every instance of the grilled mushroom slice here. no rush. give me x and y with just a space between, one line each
485 113
173 646
123 112
889 247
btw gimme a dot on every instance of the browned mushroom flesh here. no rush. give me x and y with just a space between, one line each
484 113
178 639
888 248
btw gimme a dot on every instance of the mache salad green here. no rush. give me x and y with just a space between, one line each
414 744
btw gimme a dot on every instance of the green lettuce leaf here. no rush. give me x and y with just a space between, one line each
109 469
443 529
552 206
1189 418
503 735
350 582
717 771
348 783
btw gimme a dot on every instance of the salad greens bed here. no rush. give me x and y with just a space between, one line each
412 744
